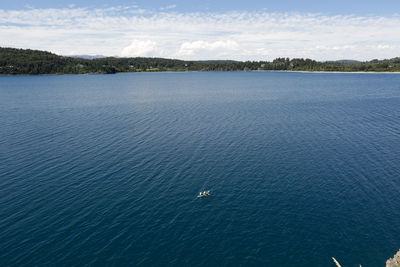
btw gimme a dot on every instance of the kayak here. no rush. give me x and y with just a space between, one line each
206 195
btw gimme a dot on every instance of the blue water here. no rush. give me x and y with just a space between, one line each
105 169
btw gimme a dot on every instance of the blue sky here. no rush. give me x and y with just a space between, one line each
240 30
366 7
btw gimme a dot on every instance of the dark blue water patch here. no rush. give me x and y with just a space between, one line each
104 170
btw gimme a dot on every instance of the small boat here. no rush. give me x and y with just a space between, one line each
204 194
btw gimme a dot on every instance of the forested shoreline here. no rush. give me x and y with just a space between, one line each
34 62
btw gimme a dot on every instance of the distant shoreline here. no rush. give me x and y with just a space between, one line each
339 72
191 71
34 62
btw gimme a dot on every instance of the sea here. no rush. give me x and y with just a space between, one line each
105 170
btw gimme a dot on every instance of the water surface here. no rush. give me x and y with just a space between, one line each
104 169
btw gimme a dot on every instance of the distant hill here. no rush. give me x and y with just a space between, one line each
26 61
88 56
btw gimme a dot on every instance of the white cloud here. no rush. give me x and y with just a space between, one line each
168 7
131 31
139 48
218 48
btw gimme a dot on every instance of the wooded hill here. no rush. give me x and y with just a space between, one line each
25 61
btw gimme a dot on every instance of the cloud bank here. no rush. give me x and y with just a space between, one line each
131 31
140 48
204 49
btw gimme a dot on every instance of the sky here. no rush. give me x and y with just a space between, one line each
203 30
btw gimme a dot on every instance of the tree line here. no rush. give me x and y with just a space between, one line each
26 61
